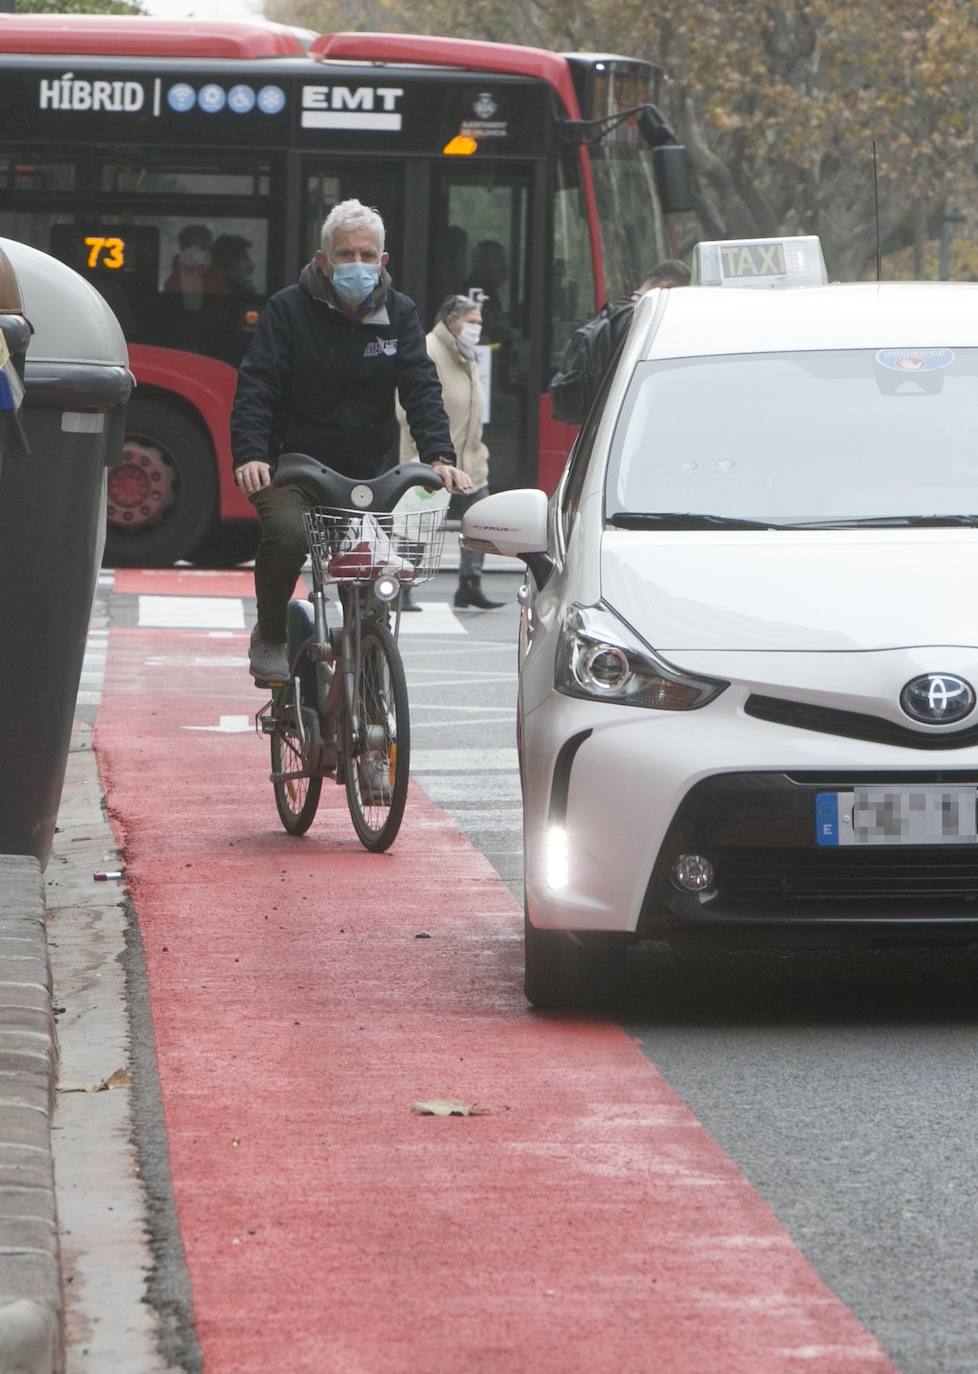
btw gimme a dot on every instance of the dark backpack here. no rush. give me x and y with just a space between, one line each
585 360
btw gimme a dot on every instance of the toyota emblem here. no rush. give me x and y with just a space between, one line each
938 698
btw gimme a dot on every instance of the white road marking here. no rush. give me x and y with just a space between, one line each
437 618
194 661
229 725
460 760
191 612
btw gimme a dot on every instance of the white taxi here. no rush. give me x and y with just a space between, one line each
749 645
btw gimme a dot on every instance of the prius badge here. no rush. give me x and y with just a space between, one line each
938 698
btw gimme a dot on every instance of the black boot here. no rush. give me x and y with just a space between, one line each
408 602
470 593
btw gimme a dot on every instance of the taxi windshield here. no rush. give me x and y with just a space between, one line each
800 438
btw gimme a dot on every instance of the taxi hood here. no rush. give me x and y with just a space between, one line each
815 591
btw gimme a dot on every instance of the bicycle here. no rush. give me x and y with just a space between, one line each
343 712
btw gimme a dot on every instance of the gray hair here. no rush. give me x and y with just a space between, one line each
454 307
349 215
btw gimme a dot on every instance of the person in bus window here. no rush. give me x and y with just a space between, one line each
235 305
488 274
320 377
232 263
191 274
451 347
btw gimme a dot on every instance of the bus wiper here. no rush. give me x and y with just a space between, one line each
685 520
887 522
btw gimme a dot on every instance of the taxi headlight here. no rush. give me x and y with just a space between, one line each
601 658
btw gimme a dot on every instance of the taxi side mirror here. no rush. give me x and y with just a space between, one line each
512 524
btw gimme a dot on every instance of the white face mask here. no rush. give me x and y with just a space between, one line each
195 257
470 334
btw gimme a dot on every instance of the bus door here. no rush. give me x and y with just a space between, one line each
478 244
373 181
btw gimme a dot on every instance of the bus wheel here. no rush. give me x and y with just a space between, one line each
163 496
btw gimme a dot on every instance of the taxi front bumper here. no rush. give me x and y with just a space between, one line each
613 796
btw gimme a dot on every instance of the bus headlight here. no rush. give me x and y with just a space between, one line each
602 658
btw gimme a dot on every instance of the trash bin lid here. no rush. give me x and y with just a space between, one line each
72 322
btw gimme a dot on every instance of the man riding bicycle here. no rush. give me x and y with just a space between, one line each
320 377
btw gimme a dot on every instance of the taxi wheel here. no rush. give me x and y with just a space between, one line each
568 973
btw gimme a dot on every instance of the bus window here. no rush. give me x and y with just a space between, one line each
572 287
380 184
25 174
199 290
209 181
478 245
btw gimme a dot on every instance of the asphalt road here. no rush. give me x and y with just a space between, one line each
841 1084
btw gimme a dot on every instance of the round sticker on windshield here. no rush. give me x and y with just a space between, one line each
915 359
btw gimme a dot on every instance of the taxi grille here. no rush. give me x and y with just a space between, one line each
805 875
853 724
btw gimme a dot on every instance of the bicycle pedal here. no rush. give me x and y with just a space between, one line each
270 684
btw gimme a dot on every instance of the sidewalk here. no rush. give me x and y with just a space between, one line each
30 1280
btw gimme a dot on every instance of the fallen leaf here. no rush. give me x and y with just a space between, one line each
448 1106
122 1078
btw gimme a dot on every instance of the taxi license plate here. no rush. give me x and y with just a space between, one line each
897 815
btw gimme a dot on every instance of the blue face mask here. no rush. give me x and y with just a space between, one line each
354 281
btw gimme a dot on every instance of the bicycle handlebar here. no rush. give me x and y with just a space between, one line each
335 490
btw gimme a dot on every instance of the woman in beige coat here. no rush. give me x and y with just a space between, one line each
451 347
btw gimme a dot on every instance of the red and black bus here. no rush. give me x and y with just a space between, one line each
185 169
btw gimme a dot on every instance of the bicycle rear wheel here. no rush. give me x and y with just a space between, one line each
378 757
297 798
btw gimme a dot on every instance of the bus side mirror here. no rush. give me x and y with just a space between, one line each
671 171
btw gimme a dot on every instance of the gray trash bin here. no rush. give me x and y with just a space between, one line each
52 533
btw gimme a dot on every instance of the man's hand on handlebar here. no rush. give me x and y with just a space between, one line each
454 478
251 477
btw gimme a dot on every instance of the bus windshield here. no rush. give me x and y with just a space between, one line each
629 215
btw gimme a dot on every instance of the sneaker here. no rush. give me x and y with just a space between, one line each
375 787
269 662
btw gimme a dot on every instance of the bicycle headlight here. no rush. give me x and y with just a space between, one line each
601 658
386 587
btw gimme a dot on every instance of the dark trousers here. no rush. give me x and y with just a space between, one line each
469 562
281 553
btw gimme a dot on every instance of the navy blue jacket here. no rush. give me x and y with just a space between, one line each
314 381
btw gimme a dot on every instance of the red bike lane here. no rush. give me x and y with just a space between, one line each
305 993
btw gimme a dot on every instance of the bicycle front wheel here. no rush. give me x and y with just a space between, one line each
378 752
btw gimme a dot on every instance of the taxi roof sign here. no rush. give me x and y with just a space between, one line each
795 261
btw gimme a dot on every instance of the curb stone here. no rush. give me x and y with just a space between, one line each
31 1307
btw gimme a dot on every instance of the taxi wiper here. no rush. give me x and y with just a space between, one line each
685 520
887 522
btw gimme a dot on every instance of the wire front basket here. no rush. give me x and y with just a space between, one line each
360 546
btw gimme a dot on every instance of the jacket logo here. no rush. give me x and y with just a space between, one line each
377 347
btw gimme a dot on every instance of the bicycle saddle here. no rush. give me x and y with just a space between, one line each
353 493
